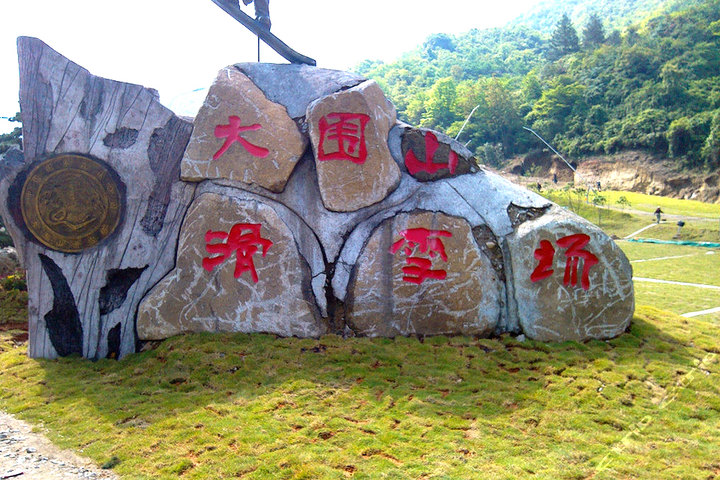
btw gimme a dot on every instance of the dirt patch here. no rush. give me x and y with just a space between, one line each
630 171
25 455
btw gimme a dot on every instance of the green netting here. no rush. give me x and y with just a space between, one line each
676 242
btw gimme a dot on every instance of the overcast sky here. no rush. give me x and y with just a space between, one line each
177 46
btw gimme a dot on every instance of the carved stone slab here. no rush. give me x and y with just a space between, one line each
349 133
572 282
238 270
429 155
240 135
423 274
85 302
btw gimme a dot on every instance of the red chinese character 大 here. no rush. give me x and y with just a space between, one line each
573 245
424 241
244 239
342 137
231 133
431 145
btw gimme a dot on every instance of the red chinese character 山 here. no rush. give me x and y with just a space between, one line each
244 239
573 245
425 241
231 133
431 145
342 137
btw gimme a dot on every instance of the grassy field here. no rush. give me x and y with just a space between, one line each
645 405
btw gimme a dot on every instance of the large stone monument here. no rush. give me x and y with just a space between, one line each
295 203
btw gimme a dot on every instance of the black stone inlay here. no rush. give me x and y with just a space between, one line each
63 321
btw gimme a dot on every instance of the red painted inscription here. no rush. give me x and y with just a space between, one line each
421 240
244 239
574 251
342 137
431 145
231 133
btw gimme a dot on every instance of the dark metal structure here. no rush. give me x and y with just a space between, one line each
262 30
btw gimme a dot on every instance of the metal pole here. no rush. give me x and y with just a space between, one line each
465 123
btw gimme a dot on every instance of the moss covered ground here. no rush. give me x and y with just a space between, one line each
645 405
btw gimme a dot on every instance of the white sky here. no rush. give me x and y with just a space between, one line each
177 46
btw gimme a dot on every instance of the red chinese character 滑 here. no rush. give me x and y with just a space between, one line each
342 137
231 133
431 145
244 239
545 255
573 245
574 252
425 241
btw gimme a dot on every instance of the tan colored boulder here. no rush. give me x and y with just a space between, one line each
240 135
349 133
238 270
571 281
422 273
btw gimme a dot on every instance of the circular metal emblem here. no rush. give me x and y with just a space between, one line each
70 202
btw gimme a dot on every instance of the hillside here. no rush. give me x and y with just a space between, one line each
654 86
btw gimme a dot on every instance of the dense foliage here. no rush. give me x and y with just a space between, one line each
12 139
654 86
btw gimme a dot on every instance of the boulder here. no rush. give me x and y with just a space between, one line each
349 133
238 270
239 134
571 281
422 273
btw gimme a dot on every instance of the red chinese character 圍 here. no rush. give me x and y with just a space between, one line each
244 239
342 137
424 241
573 245
431 145
231 133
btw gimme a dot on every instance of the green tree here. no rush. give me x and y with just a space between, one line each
564 39
593 33
440 105
12 139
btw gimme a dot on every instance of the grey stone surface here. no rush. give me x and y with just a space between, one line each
422 273
551 309
296 86
66 109
197 297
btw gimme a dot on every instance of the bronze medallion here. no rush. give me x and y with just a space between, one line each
71 202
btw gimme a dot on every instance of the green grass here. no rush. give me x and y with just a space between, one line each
645 405
670 206
254 406
619 221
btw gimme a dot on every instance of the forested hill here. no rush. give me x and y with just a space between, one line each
585 87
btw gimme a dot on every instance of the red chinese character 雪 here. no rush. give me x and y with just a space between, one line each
231 133
431 145
342 137
244 239
424 241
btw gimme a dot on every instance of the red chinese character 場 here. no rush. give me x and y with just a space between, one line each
573 245
244 239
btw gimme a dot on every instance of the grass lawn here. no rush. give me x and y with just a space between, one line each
670 206
645 405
